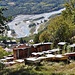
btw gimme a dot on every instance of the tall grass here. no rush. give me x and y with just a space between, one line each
48 68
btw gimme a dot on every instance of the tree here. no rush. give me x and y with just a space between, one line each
22 41
62 27
44 37
2 18
58 30
3 21
36 38
54 25
69 13
63 33
3 52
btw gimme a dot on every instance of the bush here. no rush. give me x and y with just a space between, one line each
1 66
3 52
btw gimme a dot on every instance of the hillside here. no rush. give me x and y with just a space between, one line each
48 68
60 28
16 7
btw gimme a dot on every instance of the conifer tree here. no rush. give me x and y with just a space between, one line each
3 21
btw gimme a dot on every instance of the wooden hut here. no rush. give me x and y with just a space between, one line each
42 46
21 51
72 47
70 55
61 46
47 46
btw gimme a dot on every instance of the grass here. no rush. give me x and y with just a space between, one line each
27 38
47 68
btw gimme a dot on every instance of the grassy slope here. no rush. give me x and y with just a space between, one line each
48 68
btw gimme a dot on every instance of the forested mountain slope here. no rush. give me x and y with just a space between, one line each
16 7
60 28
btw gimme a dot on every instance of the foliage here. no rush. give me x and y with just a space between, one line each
22 41
61 27
49 68
2 38
3 52
3 21
63 32
44 37
2 18
36 38
69 13
2 66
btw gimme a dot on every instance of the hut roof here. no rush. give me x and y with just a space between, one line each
13 40
72 53
61 43
47 43
23 48
73 45
35 45
50 55
55 50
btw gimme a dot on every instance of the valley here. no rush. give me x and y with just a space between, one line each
23 24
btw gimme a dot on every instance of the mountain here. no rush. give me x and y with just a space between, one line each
16 7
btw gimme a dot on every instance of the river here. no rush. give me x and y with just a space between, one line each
21 23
